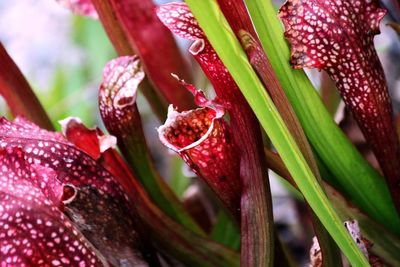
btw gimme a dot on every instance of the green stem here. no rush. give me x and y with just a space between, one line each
229 50
350 170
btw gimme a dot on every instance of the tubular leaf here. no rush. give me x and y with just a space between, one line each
360 181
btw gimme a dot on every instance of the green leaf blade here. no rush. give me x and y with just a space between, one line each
360 181
229 50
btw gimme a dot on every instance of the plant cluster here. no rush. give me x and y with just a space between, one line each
84 197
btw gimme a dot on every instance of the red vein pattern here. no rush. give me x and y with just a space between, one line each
202 138
91 190
337 36
117 94
52 150
245 132
34 232
111 229
80 173
118 109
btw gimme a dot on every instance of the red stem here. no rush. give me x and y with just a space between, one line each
19 95
239 19
121 44
256 207
156 47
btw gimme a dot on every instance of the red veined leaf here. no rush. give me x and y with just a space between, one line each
117 94
320 31
102 219
108 225
80 7
160 224
169 235
118 109
202 138
240 21
42 144
337 36
90 189
236 14
77 133
178 18
88 140
80 136
256 241
161 227
51 149
91 141
200 98
34 232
